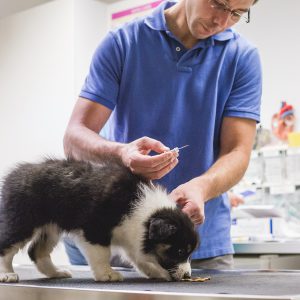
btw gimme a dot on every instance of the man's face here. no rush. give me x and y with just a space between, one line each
205 18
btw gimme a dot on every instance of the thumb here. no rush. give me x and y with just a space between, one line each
177 196
155 145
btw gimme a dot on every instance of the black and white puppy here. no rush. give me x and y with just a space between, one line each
104 207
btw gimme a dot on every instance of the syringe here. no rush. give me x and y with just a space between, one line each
176 149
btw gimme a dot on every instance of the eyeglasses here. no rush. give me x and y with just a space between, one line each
222 6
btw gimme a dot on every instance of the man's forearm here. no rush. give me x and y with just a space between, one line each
224 173
82 143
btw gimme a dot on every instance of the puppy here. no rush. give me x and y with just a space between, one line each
104 207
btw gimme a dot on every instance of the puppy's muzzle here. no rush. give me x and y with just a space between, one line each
183 272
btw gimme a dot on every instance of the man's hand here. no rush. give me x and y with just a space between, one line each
135 156
189 197
235 199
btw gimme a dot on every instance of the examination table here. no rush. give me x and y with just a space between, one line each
234 284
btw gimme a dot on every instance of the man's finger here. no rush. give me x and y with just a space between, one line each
154 169
159 174
152 144
197 219
141 161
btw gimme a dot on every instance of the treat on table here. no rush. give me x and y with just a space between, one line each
196 279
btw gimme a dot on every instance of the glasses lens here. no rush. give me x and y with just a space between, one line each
218 4
235 15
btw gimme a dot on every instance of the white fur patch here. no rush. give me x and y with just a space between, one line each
129 235
98 258
183 269
44 263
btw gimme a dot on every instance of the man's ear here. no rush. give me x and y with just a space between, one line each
160 229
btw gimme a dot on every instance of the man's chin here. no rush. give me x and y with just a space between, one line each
203 33
202 36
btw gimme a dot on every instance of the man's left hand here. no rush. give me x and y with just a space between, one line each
188 197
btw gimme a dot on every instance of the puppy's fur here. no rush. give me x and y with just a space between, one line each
103 207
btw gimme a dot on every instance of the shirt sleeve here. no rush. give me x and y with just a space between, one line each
245 98
103 80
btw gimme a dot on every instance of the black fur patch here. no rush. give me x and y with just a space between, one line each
71 194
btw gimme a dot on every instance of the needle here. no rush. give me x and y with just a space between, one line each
182 147
176 149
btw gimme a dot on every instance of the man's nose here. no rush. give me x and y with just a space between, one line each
221 19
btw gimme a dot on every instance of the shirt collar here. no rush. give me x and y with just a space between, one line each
157 21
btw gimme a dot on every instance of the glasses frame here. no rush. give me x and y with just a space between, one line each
226 8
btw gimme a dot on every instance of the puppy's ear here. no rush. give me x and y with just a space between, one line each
160 229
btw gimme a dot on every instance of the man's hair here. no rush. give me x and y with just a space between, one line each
255 1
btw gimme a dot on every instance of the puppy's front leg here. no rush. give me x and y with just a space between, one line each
153 271
98 258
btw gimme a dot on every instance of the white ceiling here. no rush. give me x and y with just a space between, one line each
8 7
109 1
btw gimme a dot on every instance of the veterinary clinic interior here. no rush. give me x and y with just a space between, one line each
46 47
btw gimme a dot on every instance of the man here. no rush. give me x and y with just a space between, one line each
178 77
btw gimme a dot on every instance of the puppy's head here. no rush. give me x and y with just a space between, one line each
171 238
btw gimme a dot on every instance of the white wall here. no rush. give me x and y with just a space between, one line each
44 56
275 30
36 79
90 26
126 4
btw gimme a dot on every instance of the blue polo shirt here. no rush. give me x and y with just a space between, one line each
157 88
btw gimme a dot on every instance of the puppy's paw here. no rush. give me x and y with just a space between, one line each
165 276
9 277
110 275
154 272
61 273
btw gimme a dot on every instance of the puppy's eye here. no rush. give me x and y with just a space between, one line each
189 248
180 252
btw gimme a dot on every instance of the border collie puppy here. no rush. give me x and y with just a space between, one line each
104 207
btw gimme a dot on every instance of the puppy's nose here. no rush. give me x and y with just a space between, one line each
187 275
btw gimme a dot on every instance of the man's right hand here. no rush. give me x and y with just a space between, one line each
135 156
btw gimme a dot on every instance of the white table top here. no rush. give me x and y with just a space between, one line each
270 247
